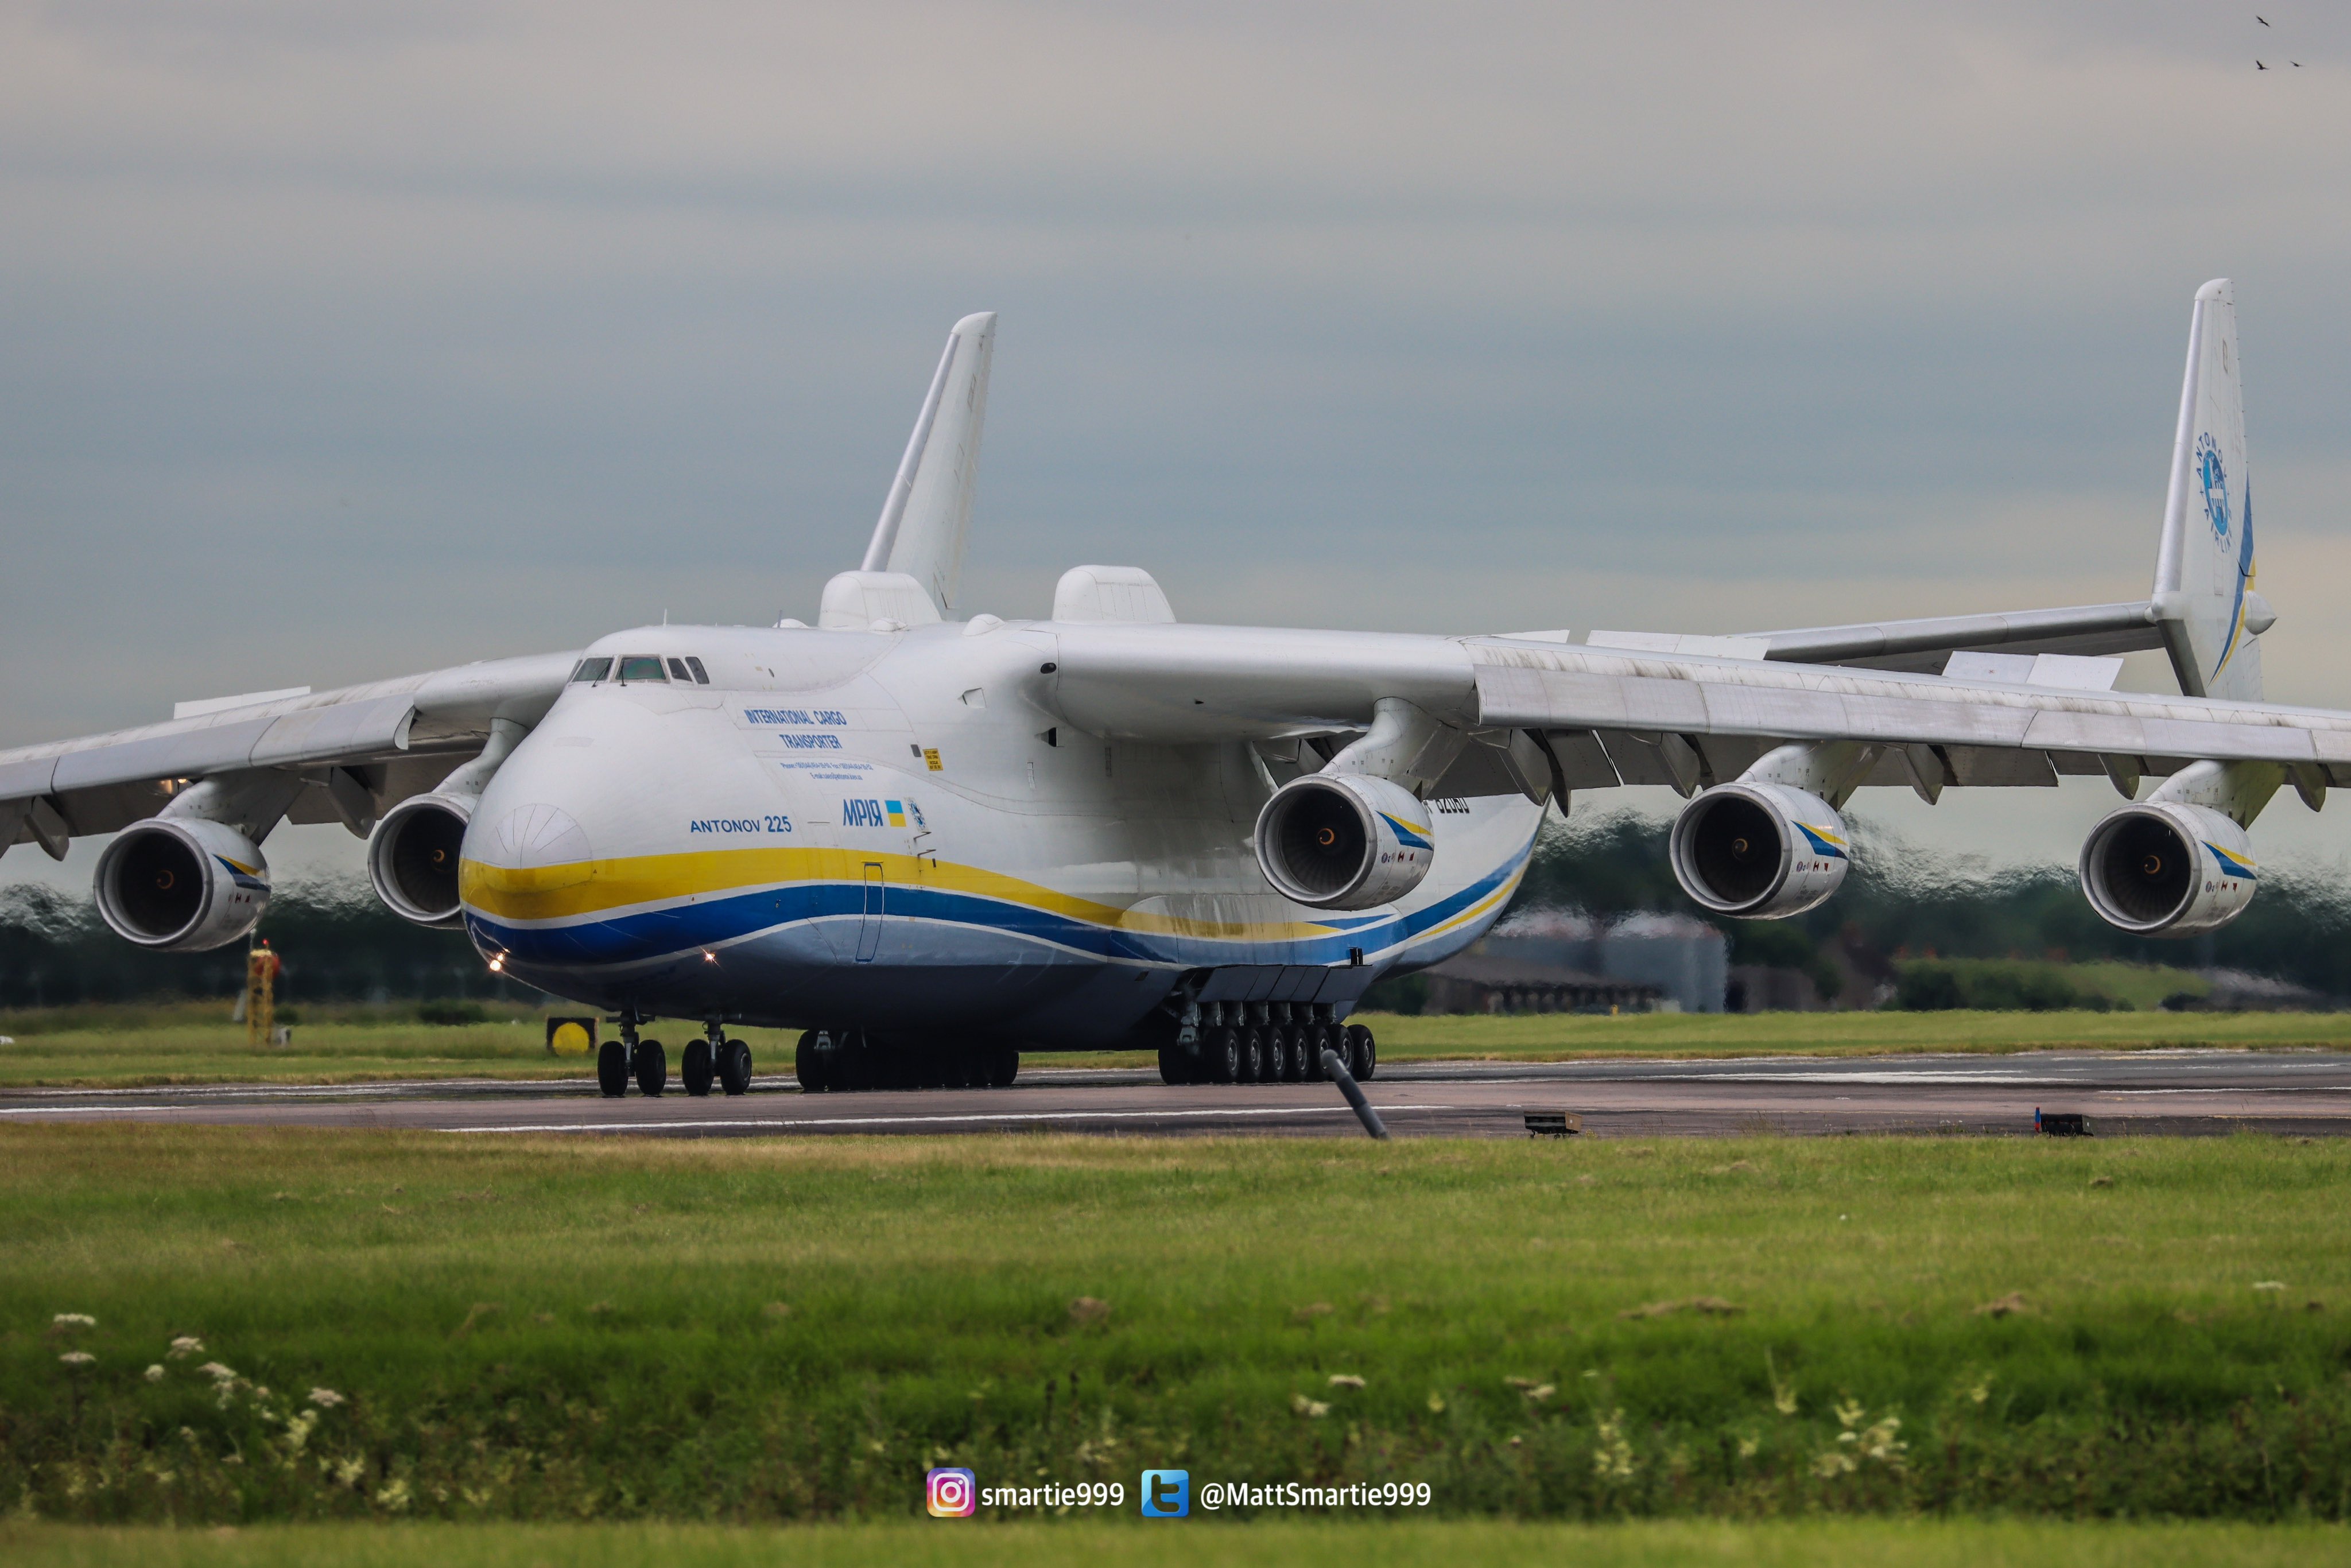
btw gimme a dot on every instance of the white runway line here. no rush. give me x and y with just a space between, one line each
911 1121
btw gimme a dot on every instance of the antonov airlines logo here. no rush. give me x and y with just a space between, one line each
2216 486
880 814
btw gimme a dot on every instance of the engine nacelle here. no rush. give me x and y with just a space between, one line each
1761 851
2168 869
182 884
413 857
1345 841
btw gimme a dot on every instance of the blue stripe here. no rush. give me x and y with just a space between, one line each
656 933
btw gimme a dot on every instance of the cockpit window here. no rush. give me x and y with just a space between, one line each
593 670
642 669
701 675
678 672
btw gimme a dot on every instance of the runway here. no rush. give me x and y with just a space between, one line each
2303 1093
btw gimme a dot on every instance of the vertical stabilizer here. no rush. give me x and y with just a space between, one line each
2204 575
928 511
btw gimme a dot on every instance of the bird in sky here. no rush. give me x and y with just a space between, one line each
2259 67
2264 21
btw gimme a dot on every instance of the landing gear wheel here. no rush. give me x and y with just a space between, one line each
808 1064
653 1067
1173 1063
1318 1039
1223 1056
612 1069
1003 1067
735 1067
1275 1064
1363 1053
1252 1068
696 1069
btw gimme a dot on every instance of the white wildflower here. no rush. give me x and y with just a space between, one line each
77 1358
186 1345
393 1496
1612 1454
155 1373
325 1399
1345 1380
74 1320
2258 1285
349 1471
1313 1409
217 1373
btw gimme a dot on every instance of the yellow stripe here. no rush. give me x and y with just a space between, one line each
591 887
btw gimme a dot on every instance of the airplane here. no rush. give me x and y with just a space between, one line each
930 838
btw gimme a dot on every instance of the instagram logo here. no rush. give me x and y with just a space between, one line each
953 1494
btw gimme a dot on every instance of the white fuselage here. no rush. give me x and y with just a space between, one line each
887 829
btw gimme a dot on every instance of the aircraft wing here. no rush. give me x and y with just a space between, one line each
365 748
1609 716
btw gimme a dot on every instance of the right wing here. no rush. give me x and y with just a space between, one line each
363 749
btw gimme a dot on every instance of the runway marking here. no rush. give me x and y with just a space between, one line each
901 1121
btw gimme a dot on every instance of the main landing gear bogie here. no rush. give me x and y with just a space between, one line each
1269 1053
834 1061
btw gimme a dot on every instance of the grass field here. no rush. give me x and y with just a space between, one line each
127 1046
757 1329
944 1544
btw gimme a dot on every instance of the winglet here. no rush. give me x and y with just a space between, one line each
928 510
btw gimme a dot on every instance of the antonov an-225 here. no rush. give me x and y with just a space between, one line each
930 838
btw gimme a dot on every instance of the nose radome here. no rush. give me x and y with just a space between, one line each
537 836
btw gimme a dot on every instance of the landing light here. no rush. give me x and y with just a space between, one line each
708 956
497 963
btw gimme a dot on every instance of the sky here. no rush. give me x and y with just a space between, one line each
338 343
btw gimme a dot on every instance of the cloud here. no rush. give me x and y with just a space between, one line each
336 342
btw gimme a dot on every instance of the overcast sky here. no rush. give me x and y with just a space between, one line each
340 342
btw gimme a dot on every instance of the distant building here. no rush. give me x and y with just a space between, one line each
1685 961
1476 983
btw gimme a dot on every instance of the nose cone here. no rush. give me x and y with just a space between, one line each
529 864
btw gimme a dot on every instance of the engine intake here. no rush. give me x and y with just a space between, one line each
2164 868
182 884
1343 840
413 858
1761 851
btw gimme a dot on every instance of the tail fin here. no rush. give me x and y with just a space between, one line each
2204 593
928 511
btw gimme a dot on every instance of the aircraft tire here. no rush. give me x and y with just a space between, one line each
1310 1069
696 1069
1363 1053
735 1067
1174 1065
653 1068
1222 1056
1004 1066
612 1069
1252 1066
808 1063
1275 1062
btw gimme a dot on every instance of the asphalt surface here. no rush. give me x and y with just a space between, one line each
2304 1092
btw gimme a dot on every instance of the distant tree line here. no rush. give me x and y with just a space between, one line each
335 942
1901 901
338 944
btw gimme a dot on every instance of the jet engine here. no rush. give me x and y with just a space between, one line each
182 884
1761 852
413 857
2168 869
1343 840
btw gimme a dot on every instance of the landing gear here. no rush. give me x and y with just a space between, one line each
695 1069
1253 1056
1175 1064
612 1069
1221 1055
653 1068
1363 1053
735 1067
835 1061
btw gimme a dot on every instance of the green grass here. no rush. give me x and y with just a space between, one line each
1560 1036
946 1545
550 1329
130 1046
